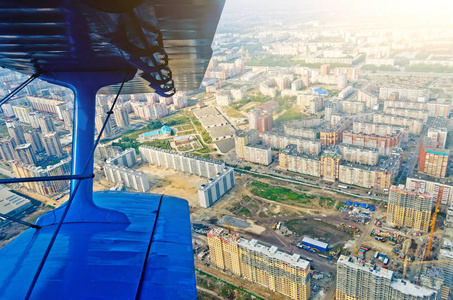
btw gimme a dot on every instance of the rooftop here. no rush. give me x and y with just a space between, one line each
206 112
220 131
293 260
11 202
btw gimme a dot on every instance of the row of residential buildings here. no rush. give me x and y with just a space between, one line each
221 178
330 165
276 270
248 149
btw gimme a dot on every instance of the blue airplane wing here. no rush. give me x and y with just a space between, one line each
150 258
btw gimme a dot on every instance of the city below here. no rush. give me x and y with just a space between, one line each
315 157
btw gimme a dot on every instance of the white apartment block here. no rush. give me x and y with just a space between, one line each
367 97
415 125
280 141
438 136
182 162
223 99
127 158
408 113
352 107
359 154
405 94
432 186
216 187
132 179
258 154
379 129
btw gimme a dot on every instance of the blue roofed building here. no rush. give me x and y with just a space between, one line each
165 130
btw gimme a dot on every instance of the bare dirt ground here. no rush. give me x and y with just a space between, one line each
174 183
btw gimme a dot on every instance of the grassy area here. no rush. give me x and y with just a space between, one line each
289 115
340 205
329 202
244 212
279 194
233 113
224 290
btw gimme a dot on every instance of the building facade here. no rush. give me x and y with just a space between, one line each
278 271
132 179
362 281
411 208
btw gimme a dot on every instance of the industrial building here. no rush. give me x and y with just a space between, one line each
127 158
10 203
132 179
279 271
216 187
410 208
359 280
321 246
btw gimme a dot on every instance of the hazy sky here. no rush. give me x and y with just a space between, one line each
405 12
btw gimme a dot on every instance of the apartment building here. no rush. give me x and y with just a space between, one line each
132 179
127 158
404 94
405 104
432 186
411 208
332 135
280 141
352 107
330 165
359 280
365 95
276 270
383 143
359 154
216 187
438 136
294 161
22 170
243 138
415 125
380 129
420 114
432 161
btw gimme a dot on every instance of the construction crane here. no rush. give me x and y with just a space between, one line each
355 246
419 263
433 223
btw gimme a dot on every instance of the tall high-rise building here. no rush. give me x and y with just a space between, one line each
358 280
127 158
67 118
26 154
253 118
46 124
278 271
243 138
265 123
330 165
99 122
325 70
411 208
7 146
51 143
121 117
432 161
34 138
17 133
34 119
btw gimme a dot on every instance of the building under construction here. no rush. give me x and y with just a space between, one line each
280 272
359 280
410 208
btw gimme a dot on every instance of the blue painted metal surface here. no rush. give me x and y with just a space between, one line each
108 260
